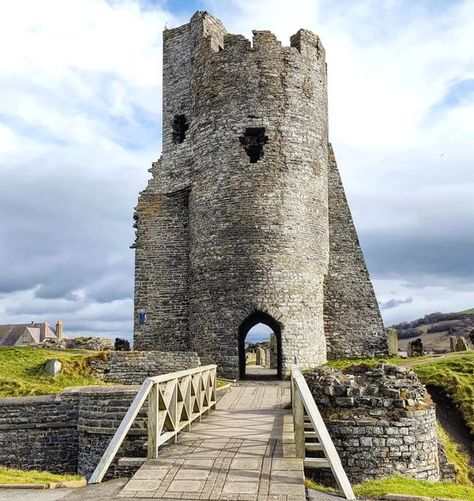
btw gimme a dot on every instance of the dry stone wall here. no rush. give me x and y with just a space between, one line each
133 367
381 419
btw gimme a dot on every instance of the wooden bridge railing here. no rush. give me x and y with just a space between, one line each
309 424
175 400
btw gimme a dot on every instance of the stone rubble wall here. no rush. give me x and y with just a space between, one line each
162 271
68 432
381 419
133 367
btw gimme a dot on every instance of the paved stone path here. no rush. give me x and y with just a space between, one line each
244 450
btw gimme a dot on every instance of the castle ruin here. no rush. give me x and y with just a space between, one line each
245 219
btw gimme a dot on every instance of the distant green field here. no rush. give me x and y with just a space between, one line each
21 374
470 312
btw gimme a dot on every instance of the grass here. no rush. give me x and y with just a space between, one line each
455 375
457 457
21 371
344 363
469 312
14 476
403 485
221 382
251 362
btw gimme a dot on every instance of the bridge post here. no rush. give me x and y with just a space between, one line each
298 420
153 434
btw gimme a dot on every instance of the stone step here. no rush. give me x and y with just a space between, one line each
313 447
316 463
135 462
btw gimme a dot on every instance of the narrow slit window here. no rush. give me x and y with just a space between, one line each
253 141
180 127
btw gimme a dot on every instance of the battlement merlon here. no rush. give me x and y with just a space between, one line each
203 25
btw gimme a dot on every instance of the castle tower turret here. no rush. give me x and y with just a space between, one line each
233 228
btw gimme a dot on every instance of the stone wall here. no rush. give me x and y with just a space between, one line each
70 431
447 470
39 433
100 411
133 367
162 272
381 419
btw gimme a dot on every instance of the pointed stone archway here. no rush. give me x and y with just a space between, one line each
259 317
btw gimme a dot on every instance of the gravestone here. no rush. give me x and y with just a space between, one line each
53 367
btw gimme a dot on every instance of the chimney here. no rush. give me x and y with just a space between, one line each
59 330
43 331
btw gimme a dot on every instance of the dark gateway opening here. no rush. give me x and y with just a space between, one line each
260 350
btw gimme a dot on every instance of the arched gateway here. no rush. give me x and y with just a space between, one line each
259 317
246 206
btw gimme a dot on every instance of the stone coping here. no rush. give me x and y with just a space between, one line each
73 390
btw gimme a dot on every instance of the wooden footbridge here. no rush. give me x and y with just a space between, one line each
252 446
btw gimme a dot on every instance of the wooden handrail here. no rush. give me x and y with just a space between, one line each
175 400
302 400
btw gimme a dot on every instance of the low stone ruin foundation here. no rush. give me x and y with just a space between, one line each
381 418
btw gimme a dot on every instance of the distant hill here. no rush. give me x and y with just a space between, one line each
435 329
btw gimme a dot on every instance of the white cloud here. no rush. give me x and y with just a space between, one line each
80 113
80 120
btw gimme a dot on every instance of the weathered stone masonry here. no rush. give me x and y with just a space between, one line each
133 367
245 211
381 419
39 433
70 431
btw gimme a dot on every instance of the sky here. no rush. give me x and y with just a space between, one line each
80 125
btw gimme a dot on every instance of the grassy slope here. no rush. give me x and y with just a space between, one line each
344 363
14 476
402 485
20 371
457 457
454 374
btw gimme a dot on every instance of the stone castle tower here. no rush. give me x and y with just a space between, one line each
245 218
